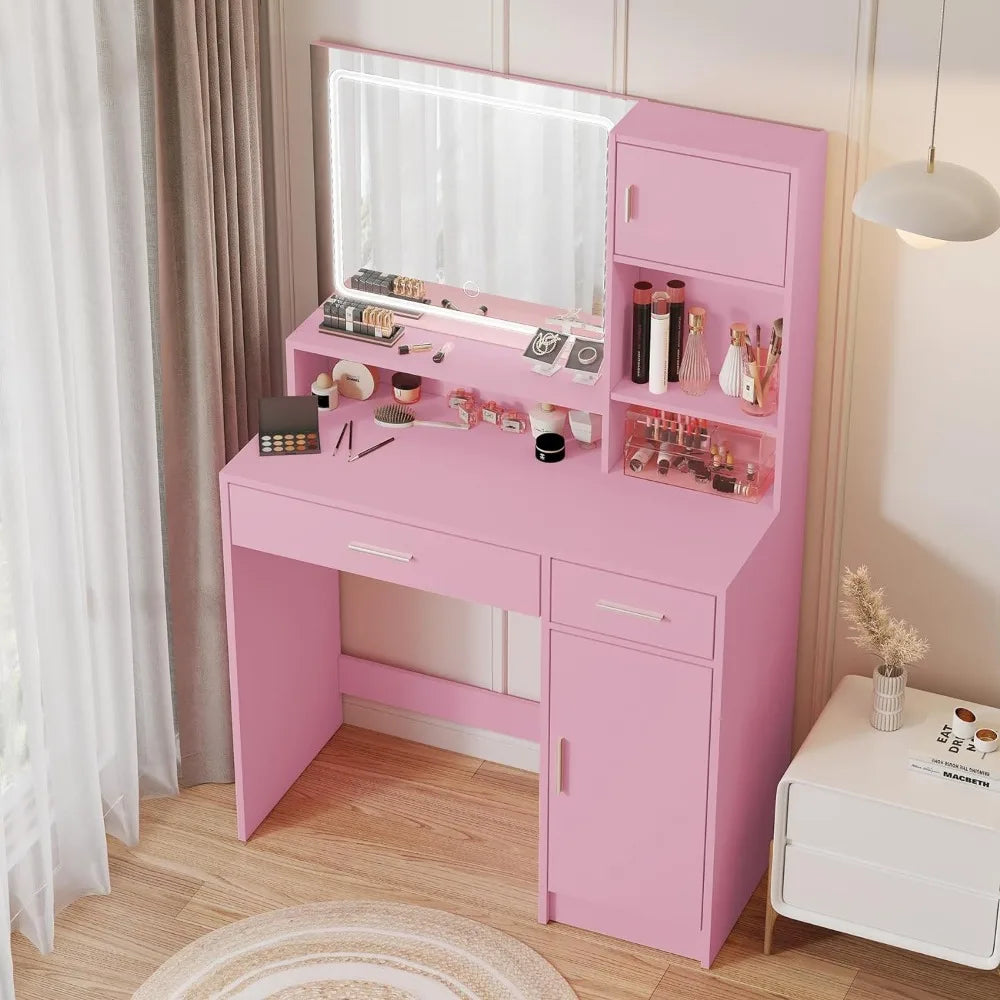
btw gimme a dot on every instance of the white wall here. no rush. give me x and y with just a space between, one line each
904 477
921 502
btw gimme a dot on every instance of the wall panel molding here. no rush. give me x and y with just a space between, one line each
500 36
829 459
619 48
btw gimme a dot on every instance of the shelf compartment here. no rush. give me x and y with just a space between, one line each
714 405
694 456
492 369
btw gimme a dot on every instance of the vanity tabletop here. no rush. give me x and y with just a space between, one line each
487 485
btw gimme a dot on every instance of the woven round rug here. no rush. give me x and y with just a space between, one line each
356 951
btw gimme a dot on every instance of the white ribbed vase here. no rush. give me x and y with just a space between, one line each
888 695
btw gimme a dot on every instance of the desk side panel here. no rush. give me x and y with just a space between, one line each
757 695
283 621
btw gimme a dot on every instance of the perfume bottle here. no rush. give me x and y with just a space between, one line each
696 373
731 375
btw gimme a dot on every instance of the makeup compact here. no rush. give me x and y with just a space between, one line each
289 425
406 387
550 447
354 380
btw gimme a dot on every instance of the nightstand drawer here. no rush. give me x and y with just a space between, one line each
925 845
889 902
624 606
386 550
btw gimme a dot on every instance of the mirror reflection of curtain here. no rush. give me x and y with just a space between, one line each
452 190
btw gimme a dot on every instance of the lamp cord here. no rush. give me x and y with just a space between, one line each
937 88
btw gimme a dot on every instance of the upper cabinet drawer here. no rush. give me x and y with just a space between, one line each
705 215
385 550
630 608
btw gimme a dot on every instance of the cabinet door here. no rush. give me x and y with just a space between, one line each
702 214
628 766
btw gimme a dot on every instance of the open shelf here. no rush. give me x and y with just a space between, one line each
714 405
492 369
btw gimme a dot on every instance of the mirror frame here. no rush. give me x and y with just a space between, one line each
328 209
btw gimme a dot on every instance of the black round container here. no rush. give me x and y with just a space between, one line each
550 447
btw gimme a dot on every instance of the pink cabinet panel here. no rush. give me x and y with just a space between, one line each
624 606
702 214
628 779
386 550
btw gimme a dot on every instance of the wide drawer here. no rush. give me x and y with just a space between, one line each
889 902
704 214
653 613
400 553
933 847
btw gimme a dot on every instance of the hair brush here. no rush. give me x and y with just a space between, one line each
392 415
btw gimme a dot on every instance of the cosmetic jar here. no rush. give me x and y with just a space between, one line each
406 387
963 723
325 392
986 740
550 447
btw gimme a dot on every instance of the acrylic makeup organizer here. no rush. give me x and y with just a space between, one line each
668 618
732 462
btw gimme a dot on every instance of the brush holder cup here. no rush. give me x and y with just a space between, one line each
759 392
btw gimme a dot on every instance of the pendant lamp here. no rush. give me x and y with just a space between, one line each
930 202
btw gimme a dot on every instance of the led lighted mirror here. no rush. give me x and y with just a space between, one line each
482 192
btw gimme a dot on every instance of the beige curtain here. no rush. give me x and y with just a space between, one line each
213 329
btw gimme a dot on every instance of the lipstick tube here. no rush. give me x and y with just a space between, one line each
642 302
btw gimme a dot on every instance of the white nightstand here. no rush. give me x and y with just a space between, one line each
866 846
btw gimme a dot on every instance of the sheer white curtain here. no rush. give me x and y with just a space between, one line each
86 723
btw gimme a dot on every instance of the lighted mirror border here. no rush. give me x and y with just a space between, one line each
337 77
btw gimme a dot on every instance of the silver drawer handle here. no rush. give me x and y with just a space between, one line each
624 609
372 550
629 188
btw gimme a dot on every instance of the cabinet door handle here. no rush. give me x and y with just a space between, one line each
624 609
374 550
560 747
629 188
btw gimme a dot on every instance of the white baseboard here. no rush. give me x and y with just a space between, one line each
490 746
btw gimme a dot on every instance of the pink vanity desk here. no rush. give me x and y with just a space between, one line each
669 618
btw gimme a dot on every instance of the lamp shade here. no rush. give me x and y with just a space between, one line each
950 203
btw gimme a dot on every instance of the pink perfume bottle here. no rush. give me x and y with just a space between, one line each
492 412
514 422
696 373
469 412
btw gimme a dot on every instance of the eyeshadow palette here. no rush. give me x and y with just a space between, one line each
289 425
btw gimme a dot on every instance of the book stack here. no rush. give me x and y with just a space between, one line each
938 752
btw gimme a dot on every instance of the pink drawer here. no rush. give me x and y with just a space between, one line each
706 215
653 613
385 550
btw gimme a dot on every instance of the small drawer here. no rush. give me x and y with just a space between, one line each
889 902
932 847
653 613
386 550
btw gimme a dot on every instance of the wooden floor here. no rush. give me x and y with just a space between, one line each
379 818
